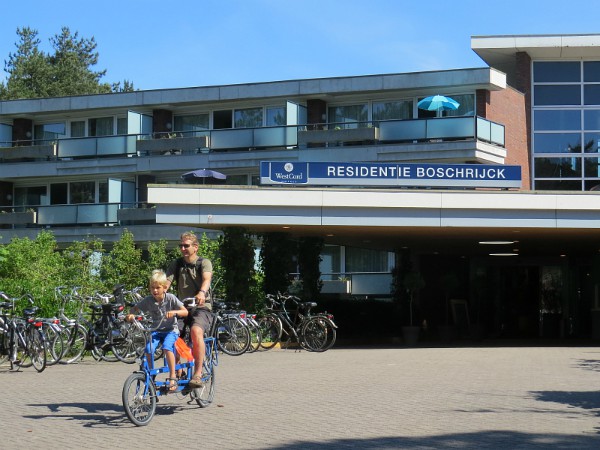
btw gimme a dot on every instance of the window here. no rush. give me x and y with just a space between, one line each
78 128
122 125
191 123
222 119
350 116
557 143
48 132
558 167
59 194
557 95
275 117
366 260
248 118
103 126
82 192
557 120
556 71
30 196
392 110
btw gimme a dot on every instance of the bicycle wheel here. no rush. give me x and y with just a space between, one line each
139 399
204 395
55 345
270 331
255 336
233 336
129 344
36 349
3 346
317 334
75 343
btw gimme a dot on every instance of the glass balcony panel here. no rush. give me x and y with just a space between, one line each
402 130
223 139
72 148
497 134
57 215
112 145
455 127
102 213
484 130
270 137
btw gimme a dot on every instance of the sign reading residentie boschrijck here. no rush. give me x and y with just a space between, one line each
381 174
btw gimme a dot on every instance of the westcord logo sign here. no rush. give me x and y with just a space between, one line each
376 174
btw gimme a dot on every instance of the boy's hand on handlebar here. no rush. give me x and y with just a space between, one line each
129 317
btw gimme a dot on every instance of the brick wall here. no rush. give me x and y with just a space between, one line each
508 107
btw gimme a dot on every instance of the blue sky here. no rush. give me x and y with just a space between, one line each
161 44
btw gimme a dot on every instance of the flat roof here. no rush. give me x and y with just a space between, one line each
499 51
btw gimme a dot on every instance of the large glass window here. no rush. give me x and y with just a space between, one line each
590 142
366 260
59 193
591 71
557 120
557 167
43 133
248 118
82 192
591 119
195 122
392 110
557 95
466 108
591 94
591 167
30 196
78 128
557 143
275 116
102 126
330 265
556 71
349 116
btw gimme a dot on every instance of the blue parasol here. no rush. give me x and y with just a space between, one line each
438 103
203 176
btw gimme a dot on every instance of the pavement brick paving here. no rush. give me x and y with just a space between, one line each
364 398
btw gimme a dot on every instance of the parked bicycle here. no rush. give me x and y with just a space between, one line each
22 340
233 334
315 333
143 387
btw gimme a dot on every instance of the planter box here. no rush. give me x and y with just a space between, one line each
171 145
28 152
335 136
18 218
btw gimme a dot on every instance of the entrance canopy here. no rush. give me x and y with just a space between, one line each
465 222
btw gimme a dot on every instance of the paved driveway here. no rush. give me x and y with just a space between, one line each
526 397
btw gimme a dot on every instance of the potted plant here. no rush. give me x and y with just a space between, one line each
413 282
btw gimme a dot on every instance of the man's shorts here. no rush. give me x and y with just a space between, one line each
202 318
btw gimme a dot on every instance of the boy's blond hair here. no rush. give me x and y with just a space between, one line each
158 277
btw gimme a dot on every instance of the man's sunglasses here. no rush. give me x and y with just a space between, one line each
184 245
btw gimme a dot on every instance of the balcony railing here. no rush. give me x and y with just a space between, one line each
292 136
79 214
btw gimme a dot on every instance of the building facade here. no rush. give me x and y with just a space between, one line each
94 165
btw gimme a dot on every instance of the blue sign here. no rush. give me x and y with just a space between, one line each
381 174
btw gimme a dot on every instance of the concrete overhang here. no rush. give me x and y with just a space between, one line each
540 223
499 51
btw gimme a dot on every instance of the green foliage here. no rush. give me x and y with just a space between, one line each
124 264
237 258
33 73
210 249
81 262
34 267
277 261
309 257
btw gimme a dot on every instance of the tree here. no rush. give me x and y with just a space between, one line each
277 261
124 264
237 258
309 258
68 71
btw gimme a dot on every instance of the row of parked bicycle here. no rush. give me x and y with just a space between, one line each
99 328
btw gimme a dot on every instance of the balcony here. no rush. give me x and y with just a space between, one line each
171 145
382 133
18 218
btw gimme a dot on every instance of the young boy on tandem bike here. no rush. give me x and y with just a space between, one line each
164 309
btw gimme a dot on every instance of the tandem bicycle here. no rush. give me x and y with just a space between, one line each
143 387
